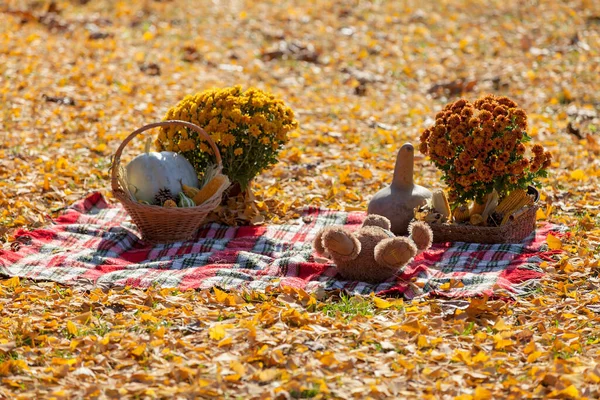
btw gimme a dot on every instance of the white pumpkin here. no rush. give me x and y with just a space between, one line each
150 172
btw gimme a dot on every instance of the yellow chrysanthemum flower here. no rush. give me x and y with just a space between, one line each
256 121
227 140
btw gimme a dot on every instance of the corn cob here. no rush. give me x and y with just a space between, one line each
208 190
189 191
527 201
509 202
461 213
476 219
170 203
439 201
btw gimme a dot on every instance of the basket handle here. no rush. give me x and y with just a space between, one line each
201 132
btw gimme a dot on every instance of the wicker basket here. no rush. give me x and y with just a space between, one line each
162 224
511 232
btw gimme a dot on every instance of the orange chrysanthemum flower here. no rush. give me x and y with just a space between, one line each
482 146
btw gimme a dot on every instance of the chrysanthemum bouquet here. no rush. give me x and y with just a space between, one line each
482 146
249 127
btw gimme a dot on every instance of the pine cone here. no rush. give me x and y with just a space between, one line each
495 219
162 196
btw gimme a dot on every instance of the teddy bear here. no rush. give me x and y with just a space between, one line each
372 253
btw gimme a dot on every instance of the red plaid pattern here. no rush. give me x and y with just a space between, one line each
96 242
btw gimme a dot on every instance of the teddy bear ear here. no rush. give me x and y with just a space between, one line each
421 234
318 242
377 220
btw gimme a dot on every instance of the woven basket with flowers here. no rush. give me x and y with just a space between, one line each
249 128
161 191
482 150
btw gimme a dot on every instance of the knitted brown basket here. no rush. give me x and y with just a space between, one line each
511 232
162 224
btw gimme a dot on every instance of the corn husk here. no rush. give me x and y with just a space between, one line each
477 208
491 204
209 174
439 201
127 188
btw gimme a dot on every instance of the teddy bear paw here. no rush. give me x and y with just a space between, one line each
341 244
395 252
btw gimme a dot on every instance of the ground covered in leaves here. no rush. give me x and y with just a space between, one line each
363 77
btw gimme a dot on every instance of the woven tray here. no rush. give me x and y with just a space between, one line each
511 232
162 224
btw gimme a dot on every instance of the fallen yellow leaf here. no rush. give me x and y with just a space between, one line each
216 332
530 348
139 350
220 295
540 214
149 318
569 392
500 325
238 367
71 328
578 175
463 397
482 394
534 356
381 303
100 148
554 243
63 361
480 357
11 283
232 377
463 356
411 326
268 375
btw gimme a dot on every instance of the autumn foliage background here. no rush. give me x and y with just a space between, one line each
363 77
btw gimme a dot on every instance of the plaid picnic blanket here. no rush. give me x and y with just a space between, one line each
94 241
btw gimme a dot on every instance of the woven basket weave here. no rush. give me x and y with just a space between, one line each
162 224
511 232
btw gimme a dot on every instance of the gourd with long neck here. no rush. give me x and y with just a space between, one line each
404 168
398 201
